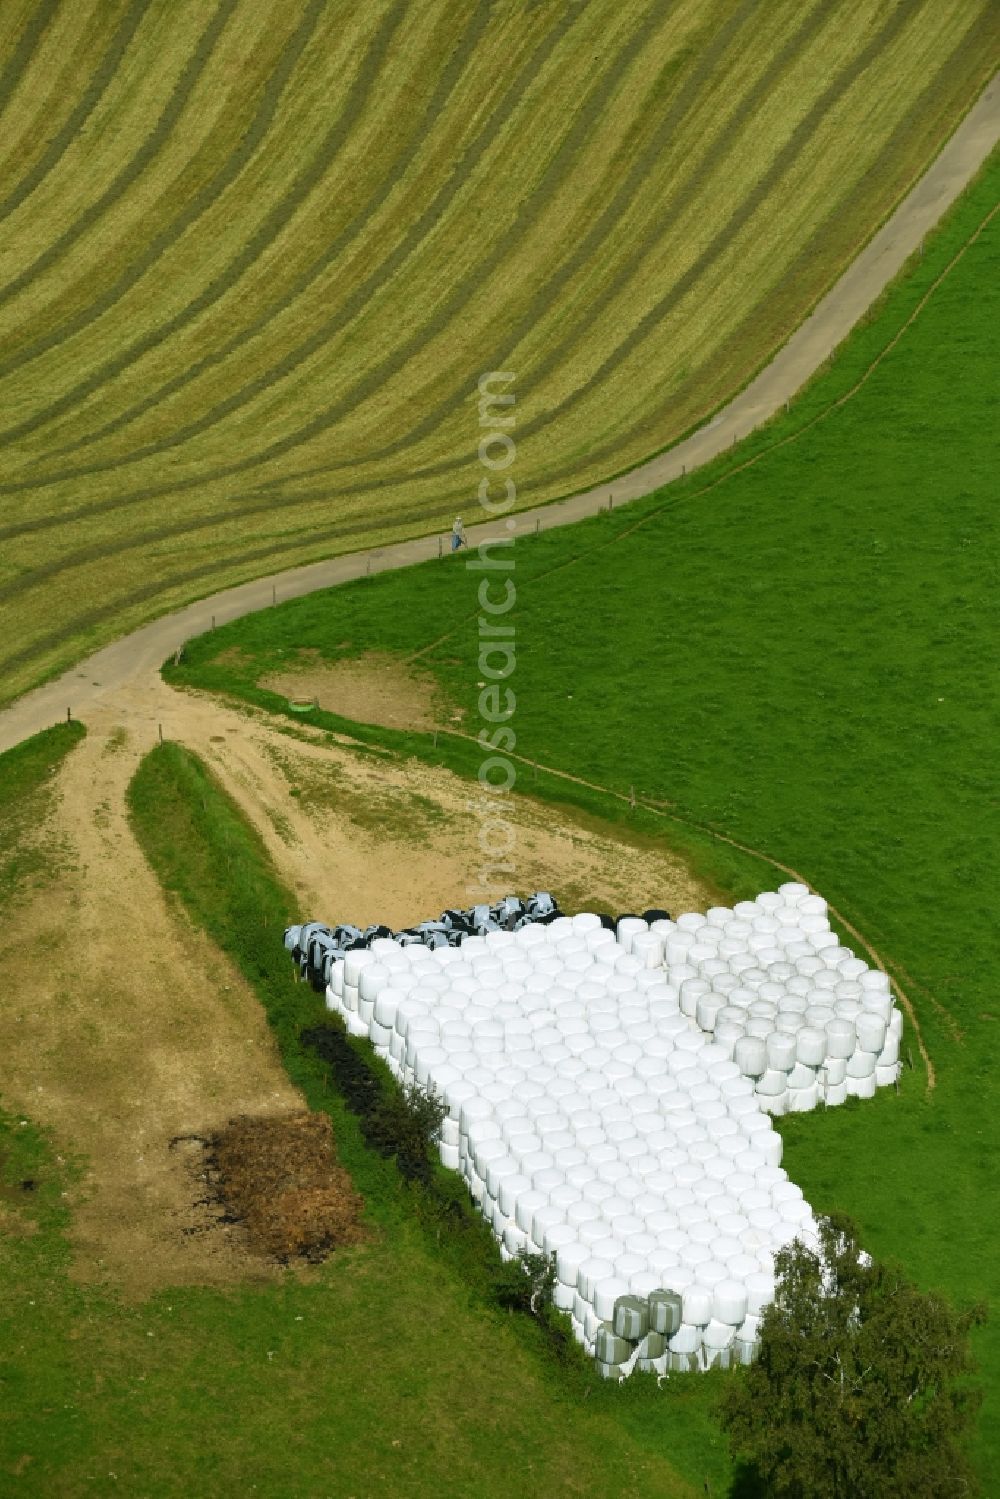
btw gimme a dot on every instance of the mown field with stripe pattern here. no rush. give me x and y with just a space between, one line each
253 259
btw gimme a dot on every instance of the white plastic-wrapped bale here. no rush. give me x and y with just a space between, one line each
817 1002
594 1118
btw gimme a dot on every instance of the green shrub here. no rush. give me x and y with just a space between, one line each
525 1282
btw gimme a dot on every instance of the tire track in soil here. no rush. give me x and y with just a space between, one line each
132 1030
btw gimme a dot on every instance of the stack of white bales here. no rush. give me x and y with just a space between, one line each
768 980
594 1120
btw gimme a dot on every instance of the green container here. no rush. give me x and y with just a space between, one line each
654 1345
609 1348
631 1318
665 1312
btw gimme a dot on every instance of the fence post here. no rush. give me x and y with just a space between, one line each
69 716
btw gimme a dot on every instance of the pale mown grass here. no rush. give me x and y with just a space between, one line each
244 307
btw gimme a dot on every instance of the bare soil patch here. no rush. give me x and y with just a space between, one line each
373 688
280 1178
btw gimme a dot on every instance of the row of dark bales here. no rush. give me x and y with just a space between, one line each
315 947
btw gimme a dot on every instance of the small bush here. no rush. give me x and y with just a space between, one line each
526 1282
398 1123
404 1124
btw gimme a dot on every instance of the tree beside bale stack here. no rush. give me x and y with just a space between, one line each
860 1389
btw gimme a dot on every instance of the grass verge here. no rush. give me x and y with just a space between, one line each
26 857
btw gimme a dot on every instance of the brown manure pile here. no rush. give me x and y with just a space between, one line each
279 1177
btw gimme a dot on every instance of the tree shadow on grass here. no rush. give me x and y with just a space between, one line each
747 1483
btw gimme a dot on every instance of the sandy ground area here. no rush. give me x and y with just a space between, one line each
124 1028
373 689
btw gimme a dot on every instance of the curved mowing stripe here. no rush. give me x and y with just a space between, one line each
388 268
615 210
147 151
376 375
109 66
419 514
434 212
427 221
611 450
255 247
231 169
557 353
261 502
384 271
280 482
60 636
225 516
362 87
149 591
39 19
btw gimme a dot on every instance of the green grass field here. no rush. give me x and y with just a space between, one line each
796 649
253 261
